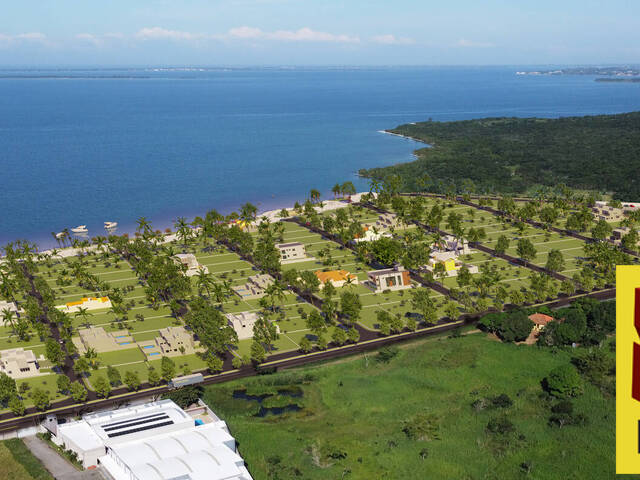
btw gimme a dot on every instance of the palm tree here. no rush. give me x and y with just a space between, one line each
84 314
8 317
183 230
336 190
276 294
314 195
248 212
221 291
204 281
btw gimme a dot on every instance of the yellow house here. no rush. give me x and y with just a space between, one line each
449 265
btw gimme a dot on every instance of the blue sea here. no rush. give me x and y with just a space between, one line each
84 146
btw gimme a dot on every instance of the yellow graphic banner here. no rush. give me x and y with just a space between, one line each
627 369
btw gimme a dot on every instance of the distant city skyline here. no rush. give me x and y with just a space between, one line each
304 32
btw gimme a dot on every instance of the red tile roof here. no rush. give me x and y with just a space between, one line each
540 318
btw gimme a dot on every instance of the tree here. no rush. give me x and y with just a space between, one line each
132 380
214 363
515 327
463 279
102 387
526 250
40 399
314 195
386 251
153 376
350 306
316 323
502 245
16 405
81 366
423 304
601 230
563 382
167 369
78 392
7 387
211 326
555 261
353 335
451 311
54 353
336 190
114 376
63 382
339 336
305 345
265 332
258 353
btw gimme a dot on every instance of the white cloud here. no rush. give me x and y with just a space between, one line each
23 37
89 38
159 33
245 32
307 35
390 39
304 34
464 43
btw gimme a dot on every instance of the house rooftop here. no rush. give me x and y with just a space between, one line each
540 318
292 244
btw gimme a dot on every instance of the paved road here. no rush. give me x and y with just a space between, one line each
60 468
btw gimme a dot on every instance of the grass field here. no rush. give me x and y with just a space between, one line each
17 462
351 424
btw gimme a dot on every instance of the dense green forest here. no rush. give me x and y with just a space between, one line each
515 155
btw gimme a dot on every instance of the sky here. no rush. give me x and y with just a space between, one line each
318 32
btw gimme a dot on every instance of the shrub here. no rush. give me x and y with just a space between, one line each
563 382
422 427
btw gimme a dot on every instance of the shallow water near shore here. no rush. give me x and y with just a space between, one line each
87 146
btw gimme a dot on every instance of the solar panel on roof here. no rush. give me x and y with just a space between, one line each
139 422
132 419
140 429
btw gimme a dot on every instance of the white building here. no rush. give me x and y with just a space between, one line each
191 262
396 278
19 363
155 441
255 287
370 236
243 323
292 252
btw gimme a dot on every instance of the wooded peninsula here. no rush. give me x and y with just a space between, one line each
515 155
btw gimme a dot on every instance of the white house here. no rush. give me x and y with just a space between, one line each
292 252
243 323
19 363
191 262
396 278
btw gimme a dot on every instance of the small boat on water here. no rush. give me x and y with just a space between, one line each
110 225
80 229
60 235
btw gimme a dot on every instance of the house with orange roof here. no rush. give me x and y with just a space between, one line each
337 278
90 303
540 320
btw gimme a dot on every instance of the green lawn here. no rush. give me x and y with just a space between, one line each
18 463
354 409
